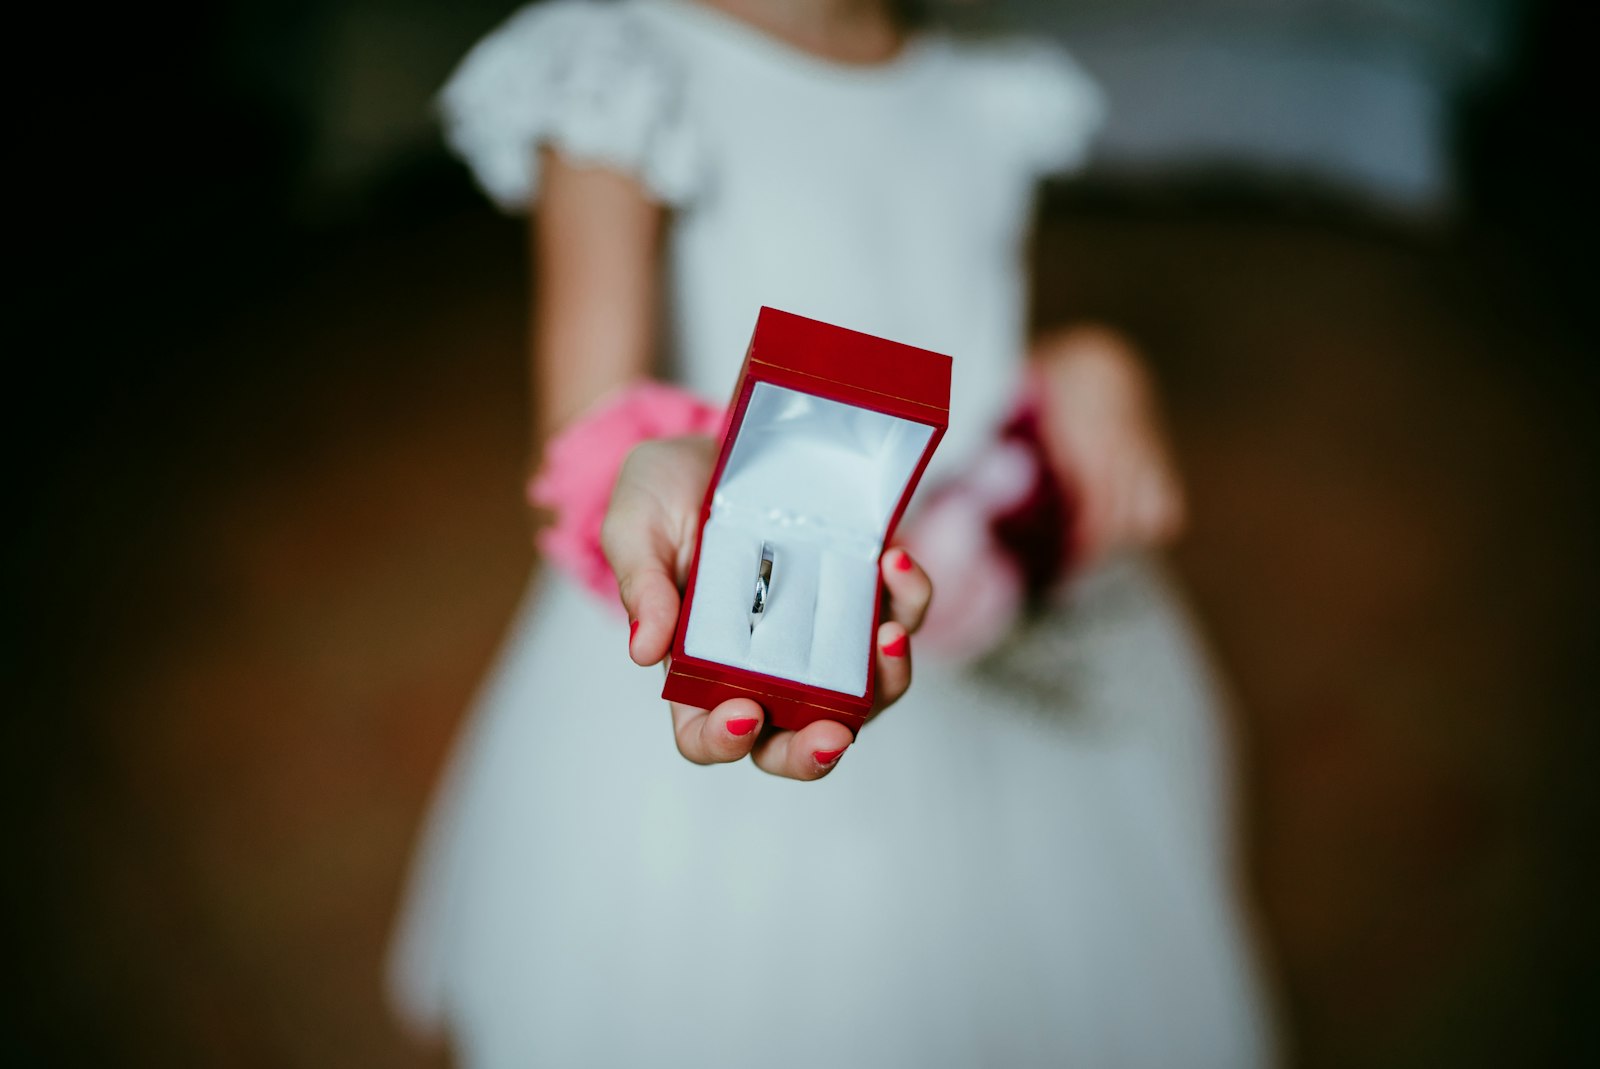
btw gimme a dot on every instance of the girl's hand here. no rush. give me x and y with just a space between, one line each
1104 433
649 538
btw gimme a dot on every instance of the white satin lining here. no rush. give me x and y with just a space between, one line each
818 481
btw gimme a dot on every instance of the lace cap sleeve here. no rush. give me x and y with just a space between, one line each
586 76
1047 105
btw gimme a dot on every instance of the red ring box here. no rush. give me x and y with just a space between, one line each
828 434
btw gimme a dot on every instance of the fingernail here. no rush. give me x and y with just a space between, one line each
902 562
742 726
895 647
633 630
827 757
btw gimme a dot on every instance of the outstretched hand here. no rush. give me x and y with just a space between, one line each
649 539
1104 431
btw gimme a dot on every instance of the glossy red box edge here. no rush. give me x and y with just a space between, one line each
842 365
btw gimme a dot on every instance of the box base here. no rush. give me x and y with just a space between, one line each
704 686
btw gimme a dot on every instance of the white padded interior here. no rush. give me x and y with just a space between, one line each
817 480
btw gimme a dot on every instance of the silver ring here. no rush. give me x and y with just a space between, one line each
763 592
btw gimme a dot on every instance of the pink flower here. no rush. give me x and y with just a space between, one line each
581 463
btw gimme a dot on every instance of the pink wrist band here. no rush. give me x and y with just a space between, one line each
581 464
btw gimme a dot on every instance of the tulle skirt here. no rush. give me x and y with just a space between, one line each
1025 862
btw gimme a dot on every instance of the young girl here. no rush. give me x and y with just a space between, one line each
1026 863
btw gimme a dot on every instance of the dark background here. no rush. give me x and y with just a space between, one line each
266 430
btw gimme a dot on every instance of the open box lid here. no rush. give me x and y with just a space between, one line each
849 366
829 433
814 405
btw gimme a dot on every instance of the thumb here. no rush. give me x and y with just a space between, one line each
641 554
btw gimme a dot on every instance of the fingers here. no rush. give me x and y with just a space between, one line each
893 653
717 736
642 555
909 588
1121 522
651 598
1158 506
1132 501
807 754
1150 502
734 729
1096 508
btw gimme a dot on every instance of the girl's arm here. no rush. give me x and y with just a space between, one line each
596 239
1104 431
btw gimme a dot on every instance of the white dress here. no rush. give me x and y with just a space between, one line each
1022 863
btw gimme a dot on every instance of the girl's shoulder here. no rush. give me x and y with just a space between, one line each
597 78
1031 94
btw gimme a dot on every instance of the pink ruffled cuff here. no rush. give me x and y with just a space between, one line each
581 464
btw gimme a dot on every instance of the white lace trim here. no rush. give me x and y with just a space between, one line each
586 77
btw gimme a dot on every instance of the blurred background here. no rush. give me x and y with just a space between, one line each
266 415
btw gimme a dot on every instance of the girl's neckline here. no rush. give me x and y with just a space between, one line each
739 32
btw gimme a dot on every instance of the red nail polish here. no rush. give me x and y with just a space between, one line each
827 757
742 726
902 563
633 629
895 647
